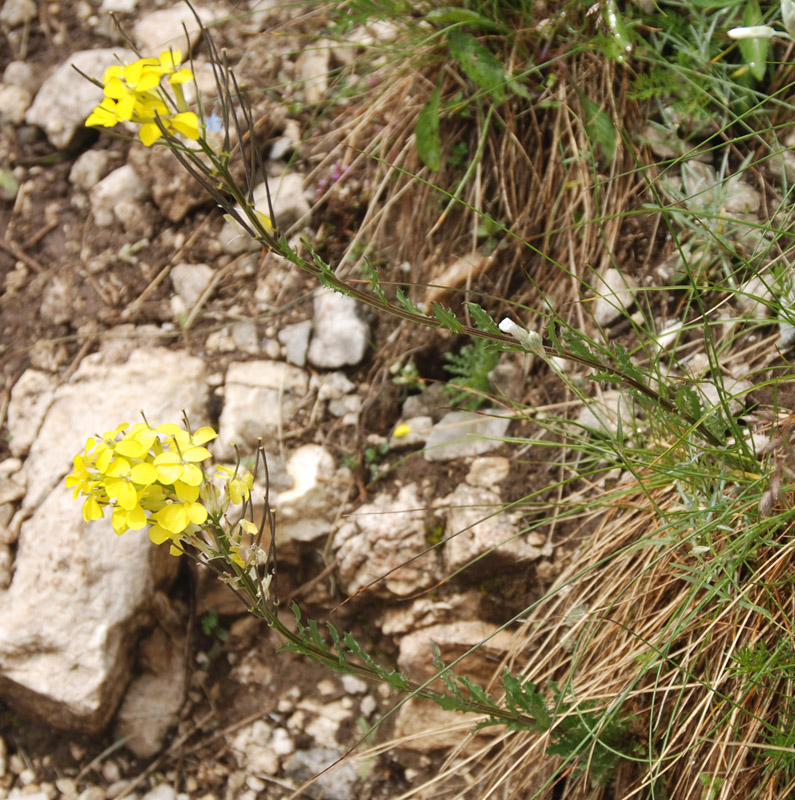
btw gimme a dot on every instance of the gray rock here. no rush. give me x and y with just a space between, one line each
68 668
189 281
121 184
433 402
464 433
312 68
173 189
483 534
425 728
119 6
17 12
14 102
252 749
454 639
383 536
24 74
740 197
161 30
161 792
340 336
419 429
246 338
615 293
755 296
339 783
152 702
488 471
308 510
66 98
734 391
31 397
90 168
260 396
56 299
295 339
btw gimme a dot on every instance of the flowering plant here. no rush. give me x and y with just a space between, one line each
154 476
133 93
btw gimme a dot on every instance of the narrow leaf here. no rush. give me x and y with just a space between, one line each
429 143
478 63
754 51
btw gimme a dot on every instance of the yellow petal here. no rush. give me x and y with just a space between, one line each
195 454
183 76
144 473
187 493
149 133
136 518
158 535
197 513
187 123
204 434
126 495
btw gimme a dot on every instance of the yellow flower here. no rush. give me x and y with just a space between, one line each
401 431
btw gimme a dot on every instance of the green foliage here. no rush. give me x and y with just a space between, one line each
471 367
429 144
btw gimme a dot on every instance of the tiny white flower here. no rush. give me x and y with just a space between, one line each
753 32
528 339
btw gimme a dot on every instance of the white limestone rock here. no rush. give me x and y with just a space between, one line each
339 336
460 434
295 340
260 398
615 293
165 29
152 702
382 536
30 398
311 506
483 535
66 98
189 281
121 184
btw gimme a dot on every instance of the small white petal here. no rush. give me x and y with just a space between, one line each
753 32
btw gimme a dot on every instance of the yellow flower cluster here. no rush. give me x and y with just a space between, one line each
133 94
153 476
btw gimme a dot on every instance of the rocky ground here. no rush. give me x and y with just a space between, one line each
124 672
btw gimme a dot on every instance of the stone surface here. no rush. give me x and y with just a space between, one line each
189 281
308 509
755 296
464 433
14 102
295 339
252 749
30 398
734 391
173 189
121 184
424 727
615 293
69 667
453 639
340 336
419 429
380 537
488 471
18 12
163 29
312 67
66 98
152 702
260 397
483 534
337 784
90 168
